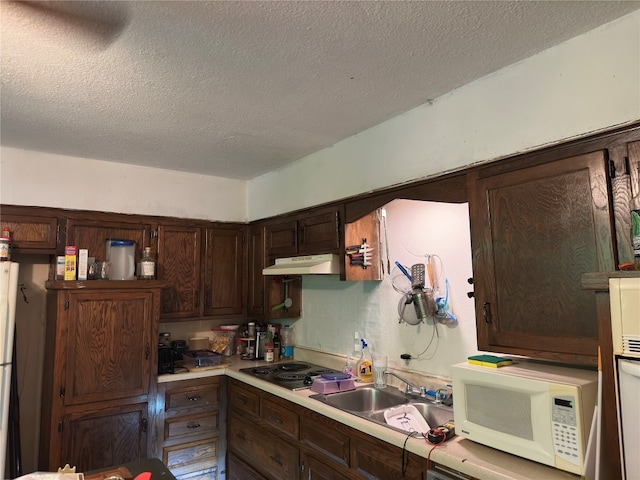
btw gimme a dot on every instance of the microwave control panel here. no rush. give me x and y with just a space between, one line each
566 443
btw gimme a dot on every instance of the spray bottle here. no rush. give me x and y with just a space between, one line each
365 364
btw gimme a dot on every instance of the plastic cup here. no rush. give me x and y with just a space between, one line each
379 367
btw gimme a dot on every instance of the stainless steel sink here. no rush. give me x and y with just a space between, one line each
370 403
363 399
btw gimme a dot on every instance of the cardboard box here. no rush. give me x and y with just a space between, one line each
70 262
83 263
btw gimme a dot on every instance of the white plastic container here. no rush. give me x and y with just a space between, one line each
121 256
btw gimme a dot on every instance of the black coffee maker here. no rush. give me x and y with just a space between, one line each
179 347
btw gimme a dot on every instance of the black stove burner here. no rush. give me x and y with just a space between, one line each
292 375
294 367
289 377
263 370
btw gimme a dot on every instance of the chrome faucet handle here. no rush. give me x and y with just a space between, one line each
423 391
438 399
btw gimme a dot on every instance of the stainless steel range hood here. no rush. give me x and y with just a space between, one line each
325 264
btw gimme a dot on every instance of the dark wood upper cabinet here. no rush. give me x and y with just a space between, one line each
202 279
179 268
224 265
93 233
312 232
319 233
255 263
282 238
534 232
30 232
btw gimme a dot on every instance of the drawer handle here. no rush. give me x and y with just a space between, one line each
194 425
241 400
276 460
275 419
194 398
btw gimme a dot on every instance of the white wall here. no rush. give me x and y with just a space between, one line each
584 85
48 180
333 311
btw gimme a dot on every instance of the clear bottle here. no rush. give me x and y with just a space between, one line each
147 270
286 343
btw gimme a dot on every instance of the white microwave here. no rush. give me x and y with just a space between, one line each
536 411
624 295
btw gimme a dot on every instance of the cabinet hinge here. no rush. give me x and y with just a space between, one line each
627 166
58 234
60 426
62 391
66 304
144 424
612 169
154 233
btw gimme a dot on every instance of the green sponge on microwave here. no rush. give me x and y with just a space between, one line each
489 361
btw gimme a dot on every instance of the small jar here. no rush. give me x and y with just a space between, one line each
268 354
239 346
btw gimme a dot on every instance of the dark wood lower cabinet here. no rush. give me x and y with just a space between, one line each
273 439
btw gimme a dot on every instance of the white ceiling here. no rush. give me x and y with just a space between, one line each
239 88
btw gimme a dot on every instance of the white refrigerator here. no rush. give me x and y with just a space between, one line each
8 292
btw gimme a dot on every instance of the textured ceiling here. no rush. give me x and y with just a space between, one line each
237 89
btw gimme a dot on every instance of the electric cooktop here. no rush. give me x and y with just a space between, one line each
291 375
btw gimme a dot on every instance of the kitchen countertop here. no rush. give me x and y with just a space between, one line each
457 453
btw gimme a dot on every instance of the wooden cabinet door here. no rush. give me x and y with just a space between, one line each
319 233
224 279
312 468
282 239
534 232
375 459
274 456
104 437
92 235
326 436
109 343
179 261
255 280
30 233
238 470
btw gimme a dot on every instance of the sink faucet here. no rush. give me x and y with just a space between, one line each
410 388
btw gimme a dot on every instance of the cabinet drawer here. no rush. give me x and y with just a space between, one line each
281 418
325 437
206 474
244 401
191 457
190 397
262 449
204 423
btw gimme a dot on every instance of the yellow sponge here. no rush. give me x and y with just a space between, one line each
489 361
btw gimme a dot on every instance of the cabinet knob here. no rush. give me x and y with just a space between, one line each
194 398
